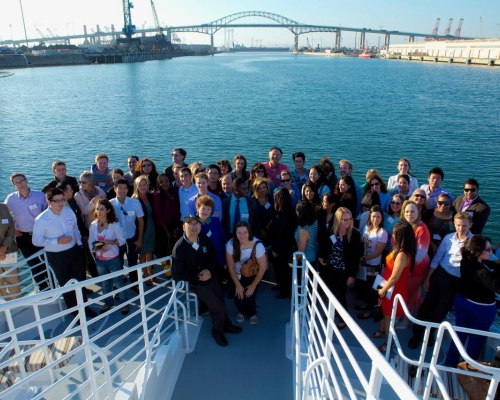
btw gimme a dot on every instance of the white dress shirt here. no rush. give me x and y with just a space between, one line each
49 227
127 213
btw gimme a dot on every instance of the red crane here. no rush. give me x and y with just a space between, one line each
436 27
448 28
459 28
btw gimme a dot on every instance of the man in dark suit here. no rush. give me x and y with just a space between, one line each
239 207
474 205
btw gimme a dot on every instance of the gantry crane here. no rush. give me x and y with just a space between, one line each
128 28
436 27
459 28
448 28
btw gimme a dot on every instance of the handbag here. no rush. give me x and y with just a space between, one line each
475 387
251 266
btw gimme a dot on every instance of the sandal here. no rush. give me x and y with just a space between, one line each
365 315
377 334
361 307
383 348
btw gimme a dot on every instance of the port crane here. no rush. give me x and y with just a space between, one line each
448 28
128 28
159 30
459 28
436 27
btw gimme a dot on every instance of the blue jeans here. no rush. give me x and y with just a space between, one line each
474 316
105 267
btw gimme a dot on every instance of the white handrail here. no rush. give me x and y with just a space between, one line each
107 371
308 326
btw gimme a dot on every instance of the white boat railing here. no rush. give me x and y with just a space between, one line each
320 369
110 349
432 366
28 276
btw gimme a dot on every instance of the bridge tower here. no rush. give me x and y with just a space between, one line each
296 43
362 40
338 36
387 40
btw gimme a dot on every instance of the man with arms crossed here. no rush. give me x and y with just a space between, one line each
471 203
194 260
56 229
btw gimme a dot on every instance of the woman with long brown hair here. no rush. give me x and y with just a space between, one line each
147 167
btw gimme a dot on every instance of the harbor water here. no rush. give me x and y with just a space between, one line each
372 112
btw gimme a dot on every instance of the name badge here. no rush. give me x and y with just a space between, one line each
471 213
131 213
436 237
390 220
245 215
33 207
102 184
209 233
186 202
195 246
333 239
267 205
5 221
277 176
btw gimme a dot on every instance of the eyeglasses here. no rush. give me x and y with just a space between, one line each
175 155
192 224
395 203
147 165
286 180
223 166
84 182
213 173
18 182
419 196
58 201
469 190
346 219
375 184
123 211
298 161
443 203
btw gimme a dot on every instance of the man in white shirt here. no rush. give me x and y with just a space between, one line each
56 230
187 191
131 217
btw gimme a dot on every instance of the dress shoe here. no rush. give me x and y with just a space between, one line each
233 329
135 289
414 342
282 296
220 339
89 313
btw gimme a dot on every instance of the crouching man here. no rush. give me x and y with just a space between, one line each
195 260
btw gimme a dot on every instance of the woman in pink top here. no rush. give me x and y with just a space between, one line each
105 238
411 213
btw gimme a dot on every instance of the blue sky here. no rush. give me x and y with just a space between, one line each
62 16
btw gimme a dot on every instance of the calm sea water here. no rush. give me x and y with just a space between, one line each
371 112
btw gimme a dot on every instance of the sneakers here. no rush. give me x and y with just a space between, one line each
239 318
254 320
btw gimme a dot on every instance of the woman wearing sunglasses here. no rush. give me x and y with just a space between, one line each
147 167
286 182
439 221
420 199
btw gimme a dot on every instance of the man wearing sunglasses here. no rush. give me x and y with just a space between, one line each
471 203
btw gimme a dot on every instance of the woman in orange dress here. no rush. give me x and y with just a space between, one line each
399 265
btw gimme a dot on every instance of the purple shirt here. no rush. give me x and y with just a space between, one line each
25 210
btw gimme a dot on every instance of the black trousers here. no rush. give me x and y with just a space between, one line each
131 251
68 264
283 274
443 289
27 247
211 295
336 280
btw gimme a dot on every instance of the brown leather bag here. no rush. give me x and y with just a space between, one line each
475 387
251 267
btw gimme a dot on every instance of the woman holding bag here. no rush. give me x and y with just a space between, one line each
247 262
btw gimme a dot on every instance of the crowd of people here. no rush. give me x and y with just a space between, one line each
225 223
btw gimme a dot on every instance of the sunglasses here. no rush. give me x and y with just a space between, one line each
375 184
147 165
469 190
84 182
395 203
419 196
286 180
443 203
123 211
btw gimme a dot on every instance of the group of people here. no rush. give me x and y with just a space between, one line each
225 223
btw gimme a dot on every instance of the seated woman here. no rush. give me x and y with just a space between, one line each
88 196
475 305
10 287
420 199
374 239
265 207
168 214
259 171
282 240
147 167
411 214
225 167
376 183
403 186
310 193
317 176
439 222
146 198
212 227
105 238
306 235
329 170
391 217
346 192
339 257
286 182
239 250
403 168
240 168
399 264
